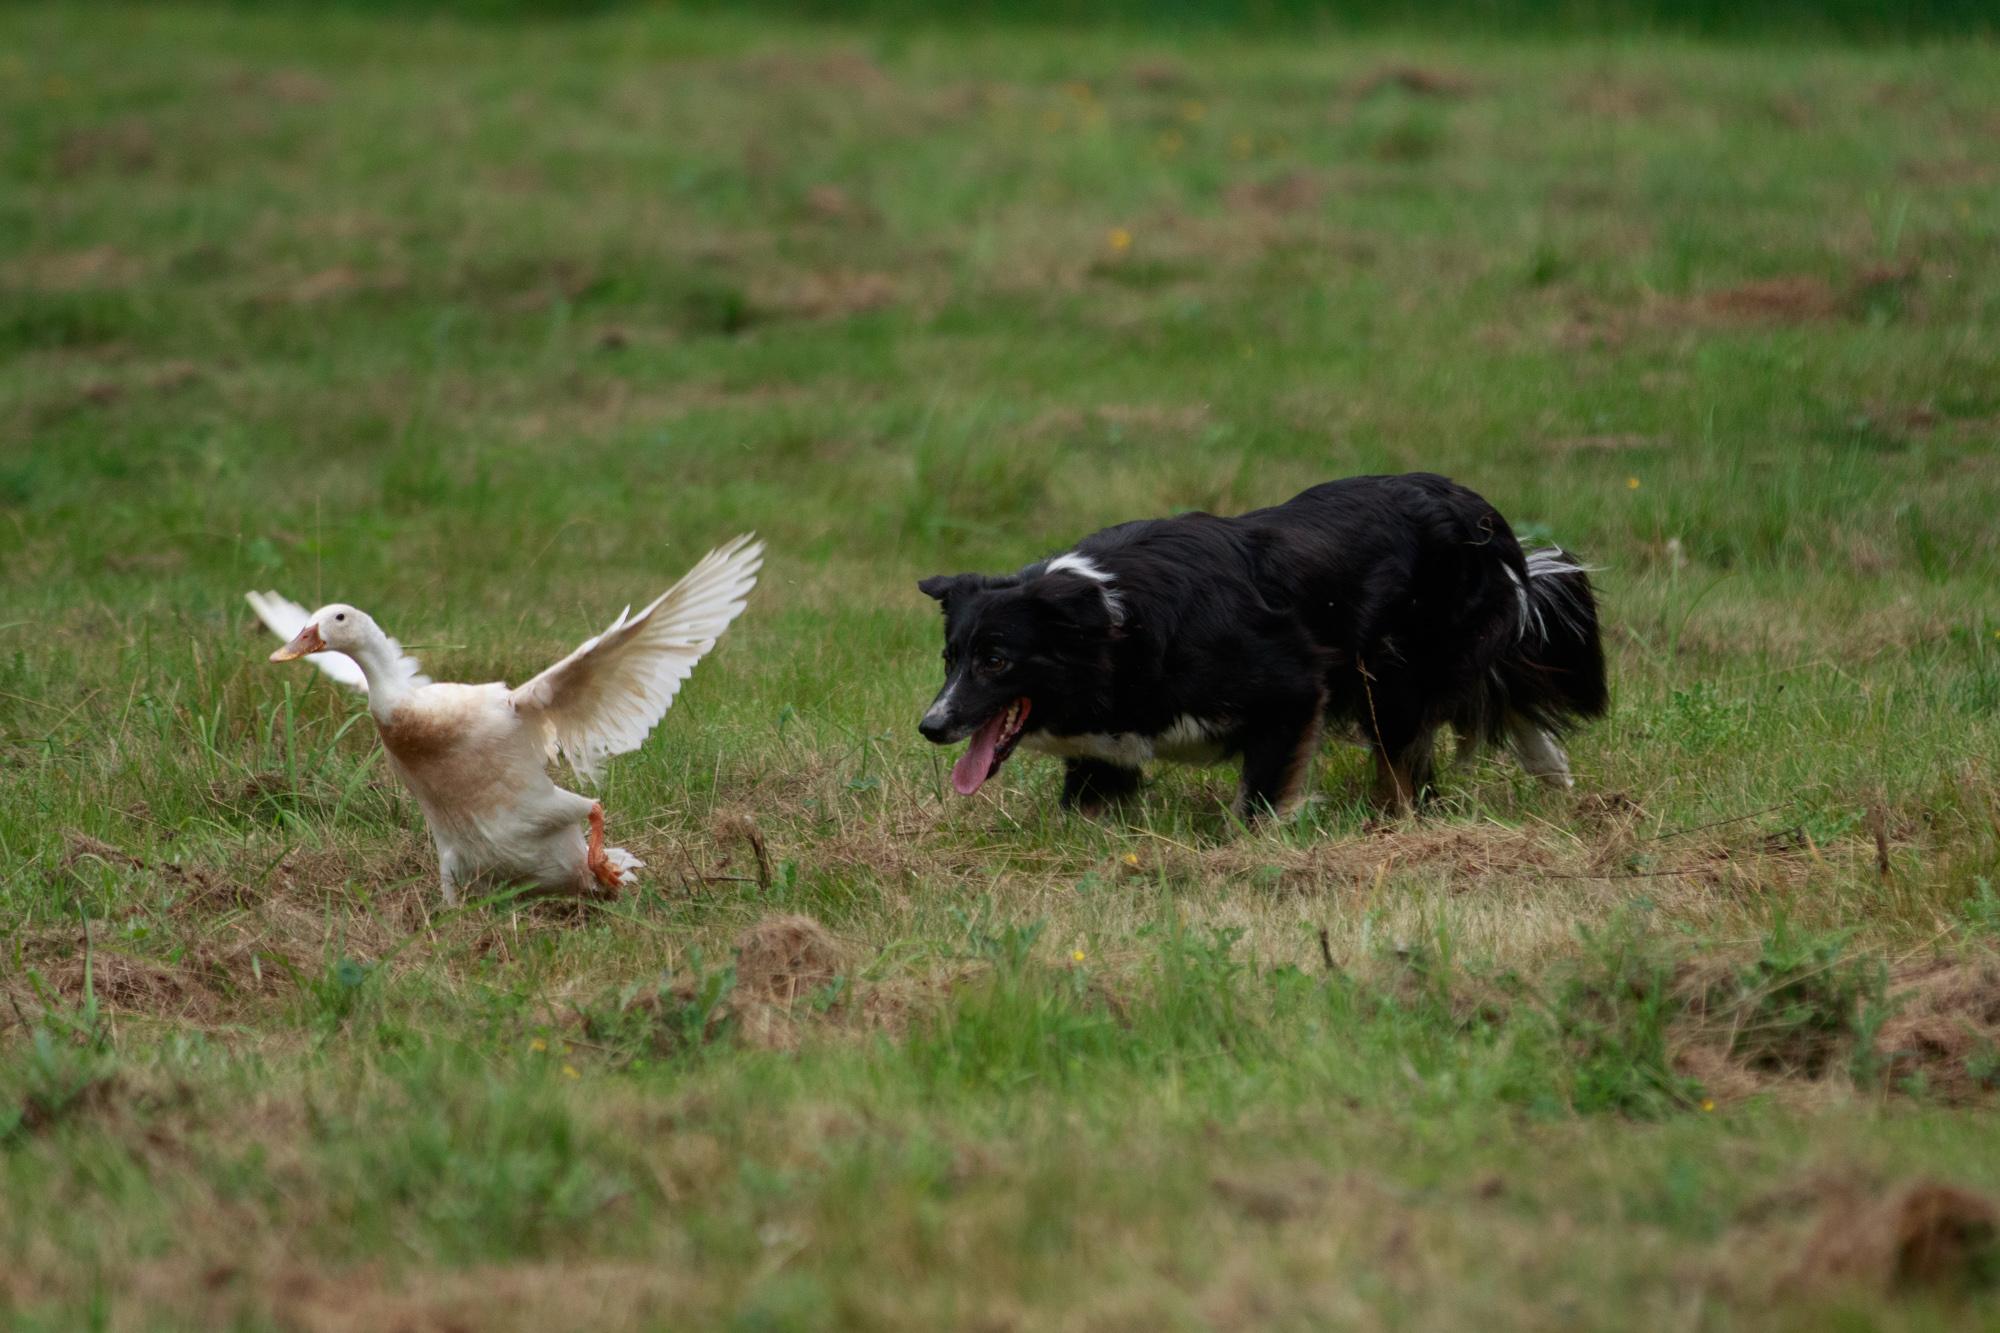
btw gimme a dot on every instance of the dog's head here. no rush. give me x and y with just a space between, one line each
1021 654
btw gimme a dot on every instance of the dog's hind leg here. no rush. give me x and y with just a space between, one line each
1538 752
1403 771
1089 785
1276 761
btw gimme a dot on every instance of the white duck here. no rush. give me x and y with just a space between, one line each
476 756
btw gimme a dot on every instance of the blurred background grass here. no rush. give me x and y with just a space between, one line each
1867 20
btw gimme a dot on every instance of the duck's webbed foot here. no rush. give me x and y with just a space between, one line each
601 867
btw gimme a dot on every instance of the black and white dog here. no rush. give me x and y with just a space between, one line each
1383 606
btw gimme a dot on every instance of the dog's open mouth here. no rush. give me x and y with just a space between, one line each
989 748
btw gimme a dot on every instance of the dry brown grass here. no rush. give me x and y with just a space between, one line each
1922 1233
267 1288
96 267
1946 1013
1417 80
1844 1232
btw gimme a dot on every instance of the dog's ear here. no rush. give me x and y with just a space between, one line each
1076 599
942 586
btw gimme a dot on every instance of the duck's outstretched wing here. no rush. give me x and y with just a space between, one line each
608 695
285 618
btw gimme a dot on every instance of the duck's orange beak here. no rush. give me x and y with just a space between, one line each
308 641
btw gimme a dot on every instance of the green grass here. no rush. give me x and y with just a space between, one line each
492 328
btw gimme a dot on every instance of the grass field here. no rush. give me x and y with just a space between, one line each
492 328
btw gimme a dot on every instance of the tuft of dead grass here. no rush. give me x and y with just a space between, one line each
1944 1030
1941 1037
131 984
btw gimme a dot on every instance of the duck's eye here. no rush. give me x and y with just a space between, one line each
341 616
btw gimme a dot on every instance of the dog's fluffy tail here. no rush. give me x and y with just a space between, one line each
1554 674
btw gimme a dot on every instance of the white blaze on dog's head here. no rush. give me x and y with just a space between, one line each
1084 567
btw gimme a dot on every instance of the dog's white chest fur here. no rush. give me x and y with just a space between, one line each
1188 740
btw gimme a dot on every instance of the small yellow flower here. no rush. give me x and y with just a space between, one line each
1631 483
1707 1104
1052 121
1131 859
1076 956
1081 91
1118 239
538 1045
1171 142
569 1071
1240 145
1193 112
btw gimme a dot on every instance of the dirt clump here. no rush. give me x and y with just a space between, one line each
1289 192
128 147
1799 299
1270 1201
831 294
1161 75
42 1110
1919 1234
78 847
1793 300
785 958
201 886
788 972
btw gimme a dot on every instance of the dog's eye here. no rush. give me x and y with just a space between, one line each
993 662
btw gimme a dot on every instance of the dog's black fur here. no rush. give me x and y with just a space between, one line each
1385 606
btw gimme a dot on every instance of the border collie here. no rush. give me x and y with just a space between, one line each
1382 607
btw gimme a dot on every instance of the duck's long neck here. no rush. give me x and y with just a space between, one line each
388 683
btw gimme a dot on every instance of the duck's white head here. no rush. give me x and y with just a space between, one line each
335 627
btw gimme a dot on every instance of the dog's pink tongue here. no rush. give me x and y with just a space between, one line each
968 775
